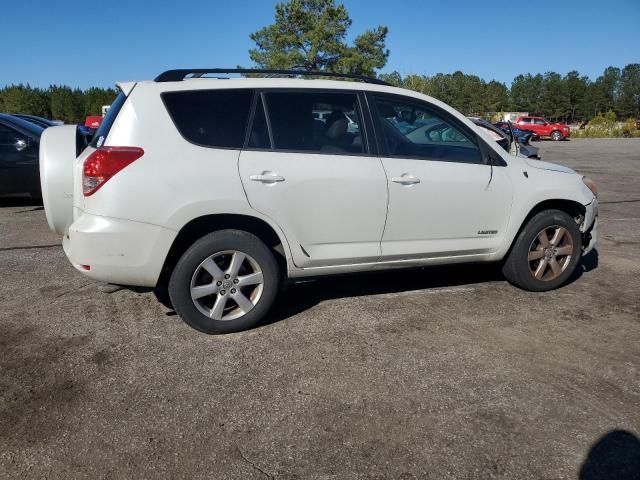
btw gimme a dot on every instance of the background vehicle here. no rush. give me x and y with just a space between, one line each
19 144
40 121
93 121
542 127
524 148
504 139
214 191
523 136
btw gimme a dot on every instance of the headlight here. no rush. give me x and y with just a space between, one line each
591 185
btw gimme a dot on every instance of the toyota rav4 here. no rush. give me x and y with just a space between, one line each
215 190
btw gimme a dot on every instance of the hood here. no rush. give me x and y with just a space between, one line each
540 165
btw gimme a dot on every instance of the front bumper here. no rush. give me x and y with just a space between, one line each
117 251
589 227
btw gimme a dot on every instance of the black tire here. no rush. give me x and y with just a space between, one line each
556 135
517 267
211 244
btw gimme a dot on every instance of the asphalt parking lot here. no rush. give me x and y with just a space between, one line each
447 373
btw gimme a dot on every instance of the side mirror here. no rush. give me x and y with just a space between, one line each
20 145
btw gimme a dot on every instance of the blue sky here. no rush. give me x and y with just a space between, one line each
98 43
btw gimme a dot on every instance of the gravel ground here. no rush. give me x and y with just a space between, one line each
446 373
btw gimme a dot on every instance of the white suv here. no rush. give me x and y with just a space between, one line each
214 190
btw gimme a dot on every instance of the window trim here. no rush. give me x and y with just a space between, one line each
362 111
446 116
248 122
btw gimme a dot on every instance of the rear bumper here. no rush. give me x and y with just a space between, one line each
117 251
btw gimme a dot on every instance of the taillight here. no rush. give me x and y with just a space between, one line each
104 163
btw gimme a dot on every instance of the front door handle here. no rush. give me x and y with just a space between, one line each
267 177
406 179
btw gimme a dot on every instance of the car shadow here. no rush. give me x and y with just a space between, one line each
615 456
298 297
589 262
303 295
21 202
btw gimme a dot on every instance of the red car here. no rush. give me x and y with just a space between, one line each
543 128
93 121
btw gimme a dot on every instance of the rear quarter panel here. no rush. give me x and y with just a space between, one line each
174 181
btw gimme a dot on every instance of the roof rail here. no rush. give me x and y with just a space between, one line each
180 74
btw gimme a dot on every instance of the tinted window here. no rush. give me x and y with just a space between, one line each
525 120
213 118
259 136
538 121
107 122
412 130
8 135
317 122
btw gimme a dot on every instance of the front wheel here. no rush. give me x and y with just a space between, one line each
225 282
546 253
556 136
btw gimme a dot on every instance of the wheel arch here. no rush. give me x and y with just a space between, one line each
200 226
571 207
556 130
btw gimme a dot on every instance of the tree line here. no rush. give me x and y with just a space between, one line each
312 35
58 102
572 97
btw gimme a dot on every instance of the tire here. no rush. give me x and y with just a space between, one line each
535 275
225 268
556 136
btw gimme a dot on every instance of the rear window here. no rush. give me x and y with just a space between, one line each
211 118
107 122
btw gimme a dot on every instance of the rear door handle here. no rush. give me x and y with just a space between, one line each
267 177
406 179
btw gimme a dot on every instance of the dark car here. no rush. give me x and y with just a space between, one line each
19 149
40 121
523 136
504 139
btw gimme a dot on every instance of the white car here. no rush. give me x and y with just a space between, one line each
213 191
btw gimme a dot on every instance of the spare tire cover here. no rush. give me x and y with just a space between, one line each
57 156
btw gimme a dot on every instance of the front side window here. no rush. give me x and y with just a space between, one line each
539 121
411 130
211 118
315 122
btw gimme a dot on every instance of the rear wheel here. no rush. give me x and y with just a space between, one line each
556 135
225 282
546 253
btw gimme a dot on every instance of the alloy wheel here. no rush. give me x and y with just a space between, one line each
550 253
227 285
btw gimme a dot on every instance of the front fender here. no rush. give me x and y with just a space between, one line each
532 187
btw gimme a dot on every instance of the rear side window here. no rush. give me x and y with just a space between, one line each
107 121
211 118
315 122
